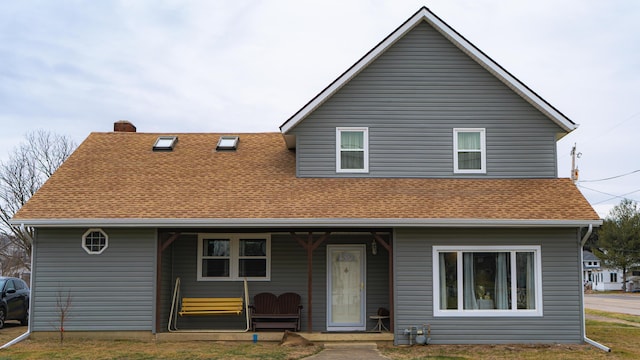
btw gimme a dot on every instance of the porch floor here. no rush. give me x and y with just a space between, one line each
275 336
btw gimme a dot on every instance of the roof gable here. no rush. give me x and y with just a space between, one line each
454 37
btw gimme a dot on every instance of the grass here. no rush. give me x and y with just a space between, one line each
622 339
618 316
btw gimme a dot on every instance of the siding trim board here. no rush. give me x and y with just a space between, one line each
459 41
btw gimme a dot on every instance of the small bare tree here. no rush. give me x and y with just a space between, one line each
29 165
63 306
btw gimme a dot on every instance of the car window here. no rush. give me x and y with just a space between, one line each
18 284
10 285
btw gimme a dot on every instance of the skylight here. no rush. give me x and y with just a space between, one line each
227 143
165 143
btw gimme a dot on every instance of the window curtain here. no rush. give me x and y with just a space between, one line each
469 282
443 283
350 141
531 292
469 141
502 284
469 155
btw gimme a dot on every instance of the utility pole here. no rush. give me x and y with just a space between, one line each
574 170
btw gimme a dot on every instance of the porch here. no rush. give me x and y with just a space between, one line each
343 277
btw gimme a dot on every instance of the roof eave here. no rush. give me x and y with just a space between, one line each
462 43
302 222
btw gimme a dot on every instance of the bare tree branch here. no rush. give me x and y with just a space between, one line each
29 165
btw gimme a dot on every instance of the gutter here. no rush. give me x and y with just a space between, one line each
584 325
305 222
28 333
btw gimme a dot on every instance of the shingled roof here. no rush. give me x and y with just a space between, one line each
116 179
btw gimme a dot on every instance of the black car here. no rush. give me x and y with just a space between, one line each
15 300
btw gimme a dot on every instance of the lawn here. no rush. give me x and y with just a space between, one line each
622 338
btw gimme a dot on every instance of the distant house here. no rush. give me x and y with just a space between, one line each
598 277
422 180
590 264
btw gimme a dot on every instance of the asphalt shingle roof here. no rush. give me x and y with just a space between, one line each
118 176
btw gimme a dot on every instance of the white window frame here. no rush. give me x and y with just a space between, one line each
234 256
365 131
84 238
461 312
482 151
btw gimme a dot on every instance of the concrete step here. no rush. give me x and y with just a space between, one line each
351 345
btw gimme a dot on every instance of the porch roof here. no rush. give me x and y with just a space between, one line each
116 179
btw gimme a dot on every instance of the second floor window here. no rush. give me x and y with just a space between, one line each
469 151
352 150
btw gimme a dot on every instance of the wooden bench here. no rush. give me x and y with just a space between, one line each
211 306
185 306
276 312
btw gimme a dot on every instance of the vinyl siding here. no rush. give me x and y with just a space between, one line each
288 274
411 98
111 291
561 286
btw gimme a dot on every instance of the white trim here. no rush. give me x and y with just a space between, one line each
463 44
460 312
483 151
234 256
365 150
305 222
106 241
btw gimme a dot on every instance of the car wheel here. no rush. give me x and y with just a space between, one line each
25 320
3 316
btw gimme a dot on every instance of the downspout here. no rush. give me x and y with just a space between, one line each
584 325
28 333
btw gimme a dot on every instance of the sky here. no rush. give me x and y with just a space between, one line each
76 67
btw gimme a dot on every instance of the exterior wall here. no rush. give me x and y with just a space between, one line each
111 291
288 274
561 289
411 98
602 280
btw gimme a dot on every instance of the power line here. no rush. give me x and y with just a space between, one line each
610 178
623 196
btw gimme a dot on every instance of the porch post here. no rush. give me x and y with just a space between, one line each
389 249
161 247
310 246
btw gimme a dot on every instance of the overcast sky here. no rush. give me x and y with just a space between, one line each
75 67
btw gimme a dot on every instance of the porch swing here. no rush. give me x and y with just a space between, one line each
185 306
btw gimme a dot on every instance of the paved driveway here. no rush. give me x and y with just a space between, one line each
623 303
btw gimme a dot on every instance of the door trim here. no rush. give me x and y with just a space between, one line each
363 296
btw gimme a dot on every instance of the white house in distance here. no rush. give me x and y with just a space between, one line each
600 278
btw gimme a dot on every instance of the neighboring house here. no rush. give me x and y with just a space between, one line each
601 278
590 264
422 180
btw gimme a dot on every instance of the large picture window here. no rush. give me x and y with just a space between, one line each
234 257
487 281
352 150
469 151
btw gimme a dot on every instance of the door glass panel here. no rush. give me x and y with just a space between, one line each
346 280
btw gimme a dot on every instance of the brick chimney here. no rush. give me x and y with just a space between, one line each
123 126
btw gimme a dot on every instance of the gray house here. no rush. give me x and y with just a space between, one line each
422 180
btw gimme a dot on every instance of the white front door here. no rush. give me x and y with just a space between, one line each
346 287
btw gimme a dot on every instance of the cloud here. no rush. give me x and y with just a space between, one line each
200 66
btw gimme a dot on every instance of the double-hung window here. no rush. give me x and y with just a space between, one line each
352 150
234 257
469 151
487 281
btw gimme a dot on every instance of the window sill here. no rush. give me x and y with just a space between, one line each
488 313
